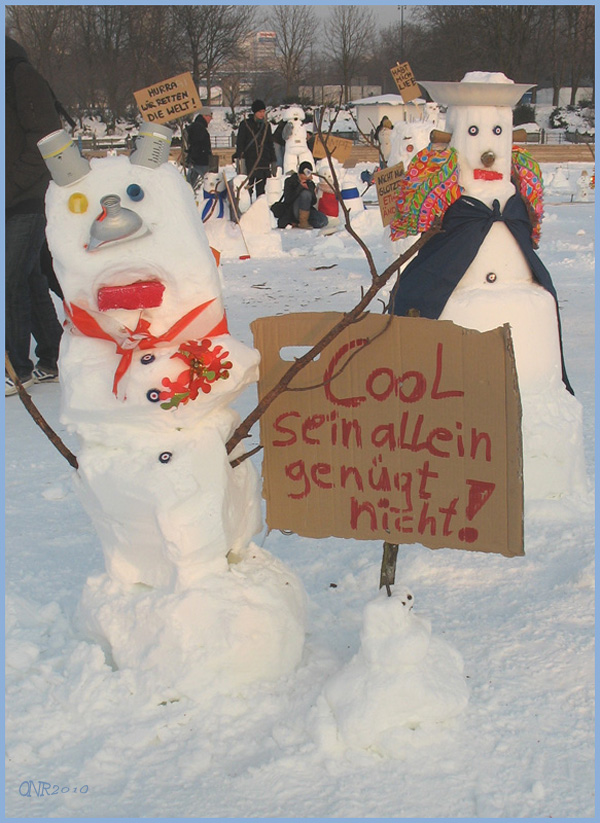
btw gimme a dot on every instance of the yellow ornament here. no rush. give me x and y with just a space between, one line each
78 203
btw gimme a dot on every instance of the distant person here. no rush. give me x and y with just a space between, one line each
199 149
254 145
383 135
30 115
297 207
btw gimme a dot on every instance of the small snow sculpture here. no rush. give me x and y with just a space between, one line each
481 271
583 187
148 373
294 134
214 197
401 678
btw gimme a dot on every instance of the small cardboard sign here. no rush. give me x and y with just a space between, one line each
405 430
339 147
405 80
388 182
169 99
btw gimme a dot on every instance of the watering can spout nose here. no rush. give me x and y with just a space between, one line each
114 223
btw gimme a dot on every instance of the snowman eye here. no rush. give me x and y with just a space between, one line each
78 203
135 192
473 130
497 129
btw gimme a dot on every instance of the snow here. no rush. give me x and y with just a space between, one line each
477 702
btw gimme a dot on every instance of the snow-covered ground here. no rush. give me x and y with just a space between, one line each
83 740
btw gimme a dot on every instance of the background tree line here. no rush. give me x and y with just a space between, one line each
94 57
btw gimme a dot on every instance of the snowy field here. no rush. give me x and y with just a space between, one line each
101 744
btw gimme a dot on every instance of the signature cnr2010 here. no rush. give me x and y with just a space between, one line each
40 788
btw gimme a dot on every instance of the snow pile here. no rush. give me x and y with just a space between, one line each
401 678
230 629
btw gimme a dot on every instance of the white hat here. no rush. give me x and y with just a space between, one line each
477 89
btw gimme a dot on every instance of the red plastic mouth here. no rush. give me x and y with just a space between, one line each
487 174
145 294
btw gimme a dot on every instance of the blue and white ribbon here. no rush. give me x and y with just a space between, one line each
210 205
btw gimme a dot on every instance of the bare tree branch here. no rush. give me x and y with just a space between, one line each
37 415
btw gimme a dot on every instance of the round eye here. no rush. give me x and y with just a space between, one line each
164 457
473 130
497 129
135 192
78 203
147 358
153 395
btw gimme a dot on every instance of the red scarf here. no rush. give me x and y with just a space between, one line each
127 341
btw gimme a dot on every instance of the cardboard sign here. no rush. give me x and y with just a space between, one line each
388 182
168 100
339 147
405 80
413 437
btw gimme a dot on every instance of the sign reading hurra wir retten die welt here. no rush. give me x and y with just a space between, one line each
169 99
405 430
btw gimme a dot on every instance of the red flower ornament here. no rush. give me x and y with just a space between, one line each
204 366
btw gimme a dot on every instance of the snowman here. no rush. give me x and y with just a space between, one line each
214 197
294 134
481 271
401 678
148 372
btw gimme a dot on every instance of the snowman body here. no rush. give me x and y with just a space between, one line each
296 148
148 372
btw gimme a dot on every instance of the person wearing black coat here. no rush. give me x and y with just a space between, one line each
254 145
298 202
199 154
30 115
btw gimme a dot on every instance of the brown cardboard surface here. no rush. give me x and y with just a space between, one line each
339 147
169 99
405 80
413 437
388 182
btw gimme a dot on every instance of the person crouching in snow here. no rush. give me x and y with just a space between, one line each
298 202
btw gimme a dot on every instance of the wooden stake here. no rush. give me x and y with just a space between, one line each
237 220
387 577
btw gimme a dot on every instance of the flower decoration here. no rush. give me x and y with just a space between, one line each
204 366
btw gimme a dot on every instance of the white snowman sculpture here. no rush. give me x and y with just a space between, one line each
148 372
482 272
294 134
401 678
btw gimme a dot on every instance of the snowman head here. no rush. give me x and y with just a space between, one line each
294 113
127 239
479 118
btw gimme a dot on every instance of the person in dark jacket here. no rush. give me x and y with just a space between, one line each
299 199
199 154
30 115
254 145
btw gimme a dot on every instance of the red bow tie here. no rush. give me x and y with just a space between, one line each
127 341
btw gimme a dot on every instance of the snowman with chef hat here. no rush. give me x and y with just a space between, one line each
481 271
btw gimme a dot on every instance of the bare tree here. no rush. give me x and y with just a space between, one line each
213 37
349 34
42 31
296 29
